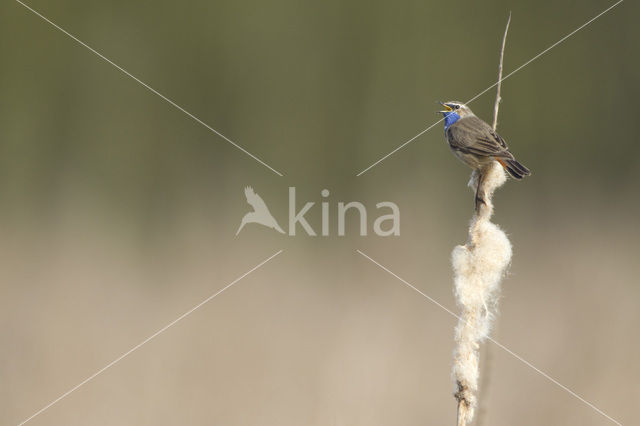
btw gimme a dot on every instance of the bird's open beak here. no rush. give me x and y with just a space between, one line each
447 108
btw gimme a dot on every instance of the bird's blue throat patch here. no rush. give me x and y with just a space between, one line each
450 117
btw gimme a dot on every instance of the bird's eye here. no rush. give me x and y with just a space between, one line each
457 106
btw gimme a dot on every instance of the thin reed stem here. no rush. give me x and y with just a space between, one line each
496 106
478 269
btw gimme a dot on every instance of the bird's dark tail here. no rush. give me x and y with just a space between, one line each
515 169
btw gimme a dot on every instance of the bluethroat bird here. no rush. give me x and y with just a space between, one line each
476 144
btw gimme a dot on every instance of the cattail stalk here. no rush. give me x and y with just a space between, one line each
496 105
478 268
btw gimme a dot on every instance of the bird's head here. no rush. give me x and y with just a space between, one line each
457 108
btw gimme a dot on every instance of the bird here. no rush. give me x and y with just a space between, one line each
260 213
476 144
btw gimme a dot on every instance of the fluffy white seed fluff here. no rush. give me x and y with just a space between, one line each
478 268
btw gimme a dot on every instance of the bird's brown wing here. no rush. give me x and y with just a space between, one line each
473 136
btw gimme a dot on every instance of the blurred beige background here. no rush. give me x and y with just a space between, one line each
118 212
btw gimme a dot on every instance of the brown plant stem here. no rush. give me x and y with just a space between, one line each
496 105
465 396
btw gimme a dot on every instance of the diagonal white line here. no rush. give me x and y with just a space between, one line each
494 85
136 347
399 148
500 345
151 89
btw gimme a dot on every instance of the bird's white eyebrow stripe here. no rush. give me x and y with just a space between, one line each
146 86
492 86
